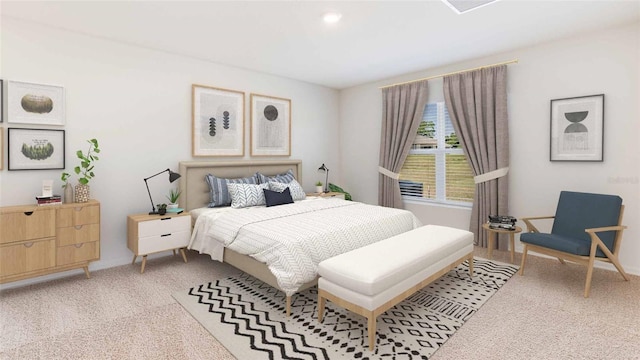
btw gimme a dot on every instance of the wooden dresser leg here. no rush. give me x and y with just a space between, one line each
86 272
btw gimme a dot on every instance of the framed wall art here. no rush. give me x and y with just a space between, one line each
270 126
38 104
35 149
218 121
577 128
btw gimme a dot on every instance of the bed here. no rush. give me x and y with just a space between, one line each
314 223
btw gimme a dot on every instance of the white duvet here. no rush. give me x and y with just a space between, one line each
293 239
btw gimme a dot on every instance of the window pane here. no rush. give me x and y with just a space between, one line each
418 177
459 179
427 132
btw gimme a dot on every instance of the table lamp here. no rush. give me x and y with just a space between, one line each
326 180
173 176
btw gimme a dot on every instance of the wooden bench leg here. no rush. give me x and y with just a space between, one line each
288 310
320 306
471 265
371 326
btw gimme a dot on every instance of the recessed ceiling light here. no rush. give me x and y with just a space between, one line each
463 6
331 17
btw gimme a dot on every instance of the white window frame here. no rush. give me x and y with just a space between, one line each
440 152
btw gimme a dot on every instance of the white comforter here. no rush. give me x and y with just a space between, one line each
293 239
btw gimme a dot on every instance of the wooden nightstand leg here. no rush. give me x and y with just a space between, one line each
174 252
144 262
86 272
184 256
134 259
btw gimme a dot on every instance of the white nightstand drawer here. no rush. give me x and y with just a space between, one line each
163 242
164 225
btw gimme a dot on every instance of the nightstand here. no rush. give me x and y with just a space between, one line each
328 195
148 234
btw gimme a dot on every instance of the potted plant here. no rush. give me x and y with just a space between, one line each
319 187
85 170
162 209
174 195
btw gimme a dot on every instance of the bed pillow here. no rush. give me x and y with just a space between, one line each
297 192
275 198
246 195
218 190
281 178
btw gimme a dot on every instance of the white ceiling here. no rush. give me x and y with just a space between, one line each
373 40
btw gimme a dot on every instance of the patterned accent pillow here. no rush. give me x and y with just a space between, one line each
297 192
275 198
246 195
281 178
218 191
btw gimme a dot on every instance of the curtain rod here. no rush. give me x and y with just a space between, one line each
451 73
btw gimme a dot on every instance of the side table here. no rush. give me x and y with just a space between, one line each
492 238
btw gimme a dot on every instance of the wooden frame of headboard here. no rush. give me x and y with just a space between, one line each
195 191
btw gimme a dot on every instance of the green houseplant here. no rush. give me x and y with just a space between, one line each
174 195
85 170
319 187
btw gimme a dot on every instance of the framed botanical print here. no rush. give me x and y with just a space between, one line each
218 121
35 149
577 128
38 104
270 126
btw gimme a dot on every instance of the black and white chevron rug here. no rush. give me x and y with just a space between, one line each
248 317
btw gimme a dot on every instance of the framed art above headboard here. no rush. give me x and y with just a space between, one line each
195 191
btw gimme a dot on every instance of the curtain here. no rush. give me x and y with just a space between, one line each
477 105
402 109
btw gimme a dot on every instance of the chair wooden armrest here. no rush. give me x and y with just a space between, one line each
530 226
606 228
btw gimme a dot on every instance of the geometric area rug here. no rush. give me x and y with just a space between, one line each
247 316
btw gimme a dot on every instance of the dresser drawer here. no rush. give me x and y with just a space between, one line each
33 223
165 225
78 234
27 256
78 215
78 253
157 243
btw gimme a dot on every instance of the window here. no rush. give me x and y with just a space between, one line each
436 168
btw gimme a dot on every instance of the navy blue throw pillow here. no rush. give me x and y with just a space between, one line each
274 198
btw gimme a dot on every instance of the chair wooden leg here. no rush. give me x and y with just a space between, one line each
592 260
618 266
562 261
524 259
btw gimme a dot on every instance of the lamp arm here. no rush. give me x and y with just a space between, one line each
326 182
145 180
150 199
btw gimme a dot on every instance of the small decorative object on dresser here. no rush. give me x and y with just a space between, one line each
174 195
37 241
85 170
148 234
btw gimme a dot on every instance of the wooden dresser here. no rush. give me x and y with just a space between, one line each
40 240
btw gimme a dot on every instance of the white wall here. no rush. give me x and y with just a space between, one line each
137 103
604 62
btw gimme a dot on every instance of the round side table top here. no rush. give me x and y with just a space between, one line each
502 231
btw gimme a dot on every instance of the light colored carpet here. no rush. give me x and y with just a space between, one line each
122 314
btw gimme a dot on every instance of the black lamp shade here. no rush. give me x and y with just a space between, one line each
173 176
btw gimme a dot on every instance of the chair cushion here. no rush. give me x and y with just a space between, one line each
579 211
566 244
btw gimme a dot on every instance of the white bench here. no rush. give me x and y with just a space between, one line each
372 279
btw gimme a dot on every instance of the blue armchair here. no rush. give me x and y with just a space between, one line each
586 227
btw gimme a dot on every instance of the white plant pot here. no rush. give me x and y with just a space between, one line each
172 206
319 189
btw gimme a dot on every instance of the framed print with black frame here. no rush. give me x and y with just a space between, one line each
218 121
577 129
35 149
39 104
270 126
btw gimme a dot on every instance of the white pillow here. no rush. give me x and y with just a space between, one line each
246 195
297 192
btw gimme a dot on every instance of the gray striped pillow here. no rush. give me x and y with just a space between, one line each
219 192
281 178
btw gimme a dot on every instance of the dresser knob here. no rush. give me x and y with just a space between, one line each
28 213
28 245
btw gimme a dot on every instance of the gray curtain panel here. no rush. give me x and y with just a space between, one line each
477 105
402 109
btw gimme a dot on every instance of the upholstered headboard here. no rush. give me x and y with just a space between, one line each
195 191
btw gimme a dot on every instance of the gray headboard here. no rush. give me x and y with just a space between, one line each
195 191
